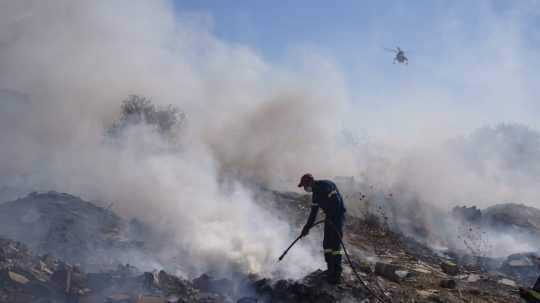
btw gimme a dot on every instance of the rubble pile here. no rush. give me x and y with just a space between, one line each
312 288
393 267
408 271
399 268
25 277
72 229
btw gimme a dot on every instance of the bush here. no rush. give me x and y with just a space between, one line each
137 110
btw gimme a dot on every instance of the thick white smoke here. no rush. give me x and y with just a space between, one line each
64 68
493 165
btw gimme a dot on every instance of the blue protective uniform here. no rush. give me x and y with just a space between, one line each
327 197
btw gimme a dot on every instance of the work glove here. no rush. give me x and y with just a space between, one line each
305 231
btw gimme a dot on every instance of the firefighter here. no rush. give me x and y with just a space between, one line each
327 197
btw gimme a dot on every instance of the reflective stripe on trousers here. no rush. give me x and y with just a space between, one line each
333 252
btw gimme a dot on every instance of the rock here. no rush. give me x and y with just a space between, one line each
426 293
422 270
450 268
18 278
473 278
388 271
448 283
507 282
402 274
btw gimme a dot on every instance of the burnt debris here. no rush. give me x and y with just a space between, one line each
64 235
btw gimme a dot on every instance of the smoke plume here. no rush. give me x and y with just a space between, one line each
65 67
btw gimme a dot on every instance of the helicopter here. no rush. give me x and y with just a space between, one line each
400 55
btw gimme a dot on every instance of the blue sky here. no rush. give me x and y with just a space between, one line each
472 59
343 28
274 26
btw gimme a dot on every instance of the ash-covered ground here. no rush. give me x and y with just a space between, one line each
59 248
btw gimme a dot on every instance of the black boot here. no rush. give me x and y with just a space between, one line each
339 268
334 277
331 268
331 272
328 260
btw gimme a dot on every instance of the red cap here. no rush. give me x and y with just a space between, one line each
306 180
